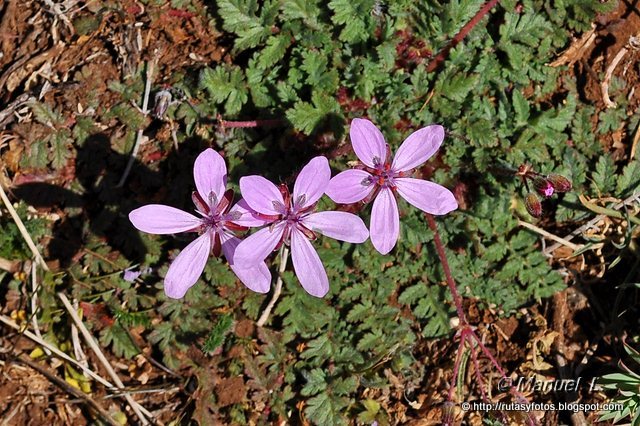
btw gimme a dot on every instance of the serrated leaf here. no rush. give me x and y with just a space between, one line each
240 17
305 116
44 114
274 51
351 14
521 108
218 333
604 178
225 84
629 180
61 150
307 10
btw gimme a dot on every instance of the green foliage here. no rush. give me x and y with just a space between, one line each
216 337
120 340
626 385
225 84
12 244
320 64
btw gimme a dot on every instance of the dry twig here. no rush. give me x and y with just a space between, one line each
284 256
57 352
592 222
104 415
137 408
23 229
145 110
549 235
34 304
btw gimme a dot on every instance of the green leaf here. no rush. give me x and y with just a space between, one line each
521 108
325 409
225 83
38 155
122 344
352 14
44 114
61 150
240 17
307 10
218 333
274 51
604 177
305 116
629 180
527 28
316 382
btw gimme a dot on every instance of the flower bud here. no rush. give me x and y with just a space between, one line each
543 186
533 205
559 182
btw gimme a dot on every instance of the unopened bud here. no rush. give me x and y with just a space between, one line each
448 413
559 182
543 187
533 205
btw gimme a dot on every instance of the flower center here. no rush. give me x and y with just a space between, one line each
382 176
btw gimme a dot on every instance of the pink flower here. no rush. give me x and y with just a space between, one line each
293 221
215 226
381 177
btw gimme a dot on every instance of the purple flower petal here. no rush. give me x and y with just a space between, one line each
247 216
187 267
367 142
385 222
255 248
342 226
311 182
261 195
210 174
418 148
348 187
307 265
131 274
161 219
257 279
427 196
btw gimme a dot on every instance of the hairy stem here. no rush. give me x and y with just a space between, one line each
465 330
284 256
464 31
250 123
457 300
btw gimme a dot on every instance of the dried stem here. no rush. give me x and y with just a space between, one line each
284 256
137 409
34 304
57 352
104 414
574 247
151 66
592 222
23 229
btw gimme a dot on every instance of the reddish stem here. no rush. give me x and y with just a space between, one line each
465 330
250 123
456 367
442 55
457 300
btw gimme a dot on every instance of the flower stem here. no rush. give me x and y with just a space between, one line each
466 332
250 123
284 256
442 55
457 300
